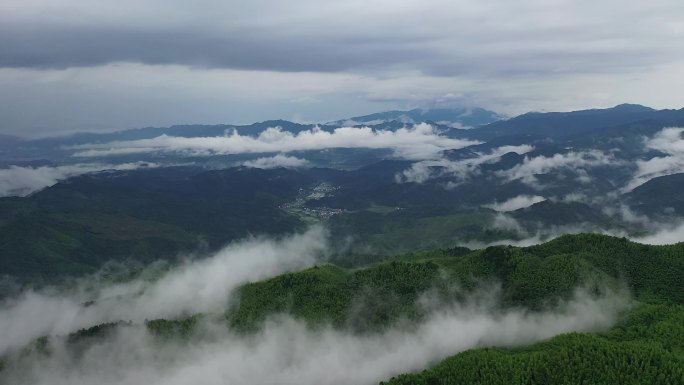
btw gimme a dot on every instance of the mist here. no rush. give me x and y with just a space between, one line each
284 351
22 181
642 229
421 141
200 285
276 162
516 203
670 144
461 170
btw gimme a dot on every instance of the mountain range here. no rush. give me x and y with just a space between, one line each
417 247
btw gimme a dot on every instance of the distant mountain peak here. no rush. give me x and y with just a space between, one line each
457 117
632 107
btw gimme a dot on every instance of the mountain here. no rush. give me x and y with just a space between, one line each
203 253
76 226
455 117
661 195
564 125
387 303
545 173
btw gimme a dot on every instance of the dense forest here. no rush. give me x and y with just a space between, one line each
645 346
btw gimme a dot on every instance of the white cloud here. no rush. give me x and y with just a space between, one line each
576 161
276 162
515 203
287 352
665 235
196 286
420 141
420 172
507 223
668 141
21 181
575 197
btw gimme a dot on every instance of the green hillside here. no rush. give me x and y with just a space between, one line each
530 277
646 346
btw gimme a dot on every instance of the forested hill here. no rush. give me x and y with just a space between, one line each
531 277
645 346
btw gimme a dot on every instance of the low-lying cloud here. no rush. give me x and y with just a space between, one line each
579 162
666 235
276 162
421 141
460 170
668 141
287 352
641 229
515 203
21 181
193 287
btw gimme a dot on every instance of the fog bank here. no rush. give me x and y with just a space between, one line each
287 352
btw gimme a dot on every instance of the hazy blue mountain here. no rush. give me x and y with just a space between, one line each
465 117
661 195
566 125
579 163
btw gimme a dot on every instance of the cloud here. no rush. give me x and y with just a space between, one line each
174 63
197 286
506 223
637 228
578 162
420 172
421 141
21 181
494 37
276 162
668 141
287 352
515 203
666 235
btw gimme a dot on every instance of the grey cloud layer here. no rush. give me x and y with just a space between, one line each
146 63
438 37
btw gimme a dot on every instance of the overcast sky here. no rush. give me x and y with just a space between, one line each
68 65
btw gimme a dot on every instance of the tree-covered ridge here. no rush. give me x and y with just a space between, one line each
374 297
377 296
361 299
650 271
646 348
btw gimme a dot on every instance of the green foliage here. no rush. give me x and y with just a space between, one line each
74 227
363 299
534 277
651 271
647 347
94 332
182 329
568 359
